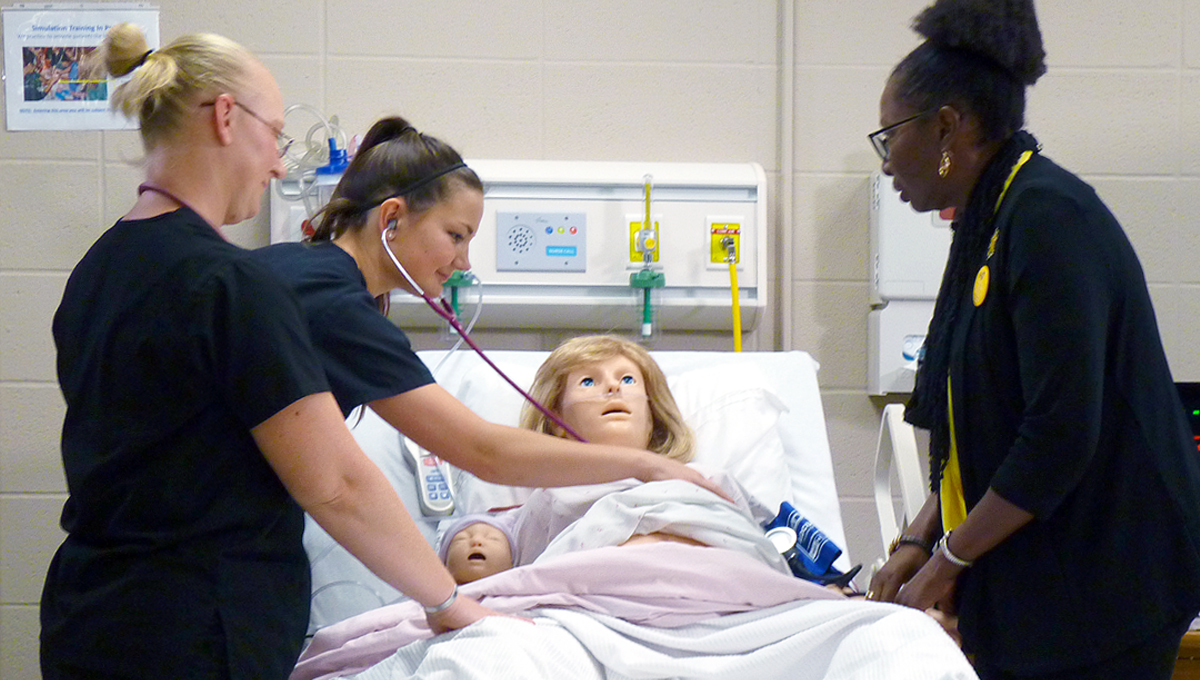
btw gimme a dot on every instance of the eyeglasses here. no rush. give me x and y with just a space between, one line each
881 137
282 140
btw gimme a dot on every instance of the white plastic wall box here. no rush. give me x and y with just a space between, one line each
895 332
908 248
908 255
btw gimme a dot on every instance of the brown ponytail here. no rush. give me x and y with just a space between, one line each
393 161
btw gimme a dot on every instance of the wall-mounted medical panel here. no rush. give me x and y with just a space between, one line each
559 241
541 242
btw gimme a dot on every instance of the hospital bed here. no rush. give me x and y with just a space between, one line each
757 416
897 464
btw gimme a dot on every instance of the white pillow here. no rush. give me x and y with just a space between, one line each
734 416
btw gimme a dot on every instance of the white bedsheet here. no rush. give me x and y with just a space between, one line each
570 519
664 585
826 640
659 610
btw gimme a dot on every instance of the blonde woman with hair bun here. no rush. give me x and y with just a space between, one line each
200 425
165 81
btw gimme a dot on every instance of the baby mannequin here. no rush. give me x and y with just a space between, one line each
478 545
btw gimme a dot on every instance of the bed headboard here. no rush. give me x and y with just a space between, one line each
756 414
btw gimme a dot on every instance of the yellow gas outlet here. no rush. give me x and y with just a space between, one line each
718 232
636 244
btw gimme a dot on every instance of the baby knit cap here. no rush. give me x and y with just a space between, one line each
505 521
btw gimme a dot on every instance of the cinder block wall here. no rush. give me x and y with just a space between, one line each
660 80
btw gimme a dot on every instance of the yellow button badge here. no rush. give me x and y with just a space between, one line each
981 285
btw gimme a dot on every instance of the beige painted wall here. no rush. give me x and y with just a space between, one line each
658 80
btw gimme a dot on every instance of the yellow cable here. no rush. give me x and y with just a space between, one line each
737 307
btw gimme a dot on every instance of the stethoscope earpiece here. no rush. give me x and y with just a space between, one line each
447 312
383 238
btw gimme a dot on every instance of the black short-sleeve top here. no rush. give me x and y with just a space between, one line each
366 357
172 344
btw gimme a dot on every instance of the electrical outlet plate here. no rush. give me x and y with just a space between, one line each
718 229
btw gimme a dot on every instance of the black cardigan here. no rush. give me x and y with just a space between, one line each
1064 405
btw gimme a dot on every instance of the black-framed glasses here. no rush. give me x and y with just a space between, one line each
282 140
879 138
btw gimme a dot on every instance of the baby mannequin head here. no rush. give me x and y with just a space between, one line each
476 546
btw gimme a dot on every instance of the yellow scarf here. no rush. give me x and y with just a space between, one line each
954 503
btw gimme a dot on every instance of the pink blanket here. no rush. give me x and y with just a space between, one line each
659 584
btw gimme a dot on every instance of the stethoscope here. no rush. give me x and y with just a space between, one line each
444 310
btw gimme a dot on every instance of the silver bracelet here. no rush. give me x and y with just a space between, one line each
943 545
436 609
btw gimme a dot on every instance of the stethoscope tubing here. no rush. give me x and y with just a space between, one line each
447 312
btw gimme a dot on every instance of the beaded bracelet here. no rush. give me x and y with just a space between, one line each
444 605
909 539
943 545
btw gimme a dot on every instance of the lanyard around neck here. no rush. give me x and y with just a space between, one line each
983 278
147 186
1012 174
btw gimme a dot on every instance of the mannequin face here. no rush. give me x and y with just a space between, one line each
606 403
477 551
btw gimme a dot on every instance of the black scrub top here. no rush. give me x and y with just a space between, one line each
366 357
183 556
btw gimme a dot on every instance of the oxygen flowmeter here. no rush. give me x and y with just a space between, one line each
646 279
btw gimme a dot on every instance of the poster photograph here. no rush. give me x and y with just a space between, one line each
46 84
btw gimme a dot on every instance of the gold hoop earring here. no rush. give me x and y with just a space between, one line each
944 167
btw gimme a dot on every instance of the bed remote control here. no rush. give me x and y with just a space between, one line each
433 486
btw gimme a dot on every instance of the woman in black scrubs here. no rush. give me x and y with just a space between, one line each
403 216
199 424
1065 518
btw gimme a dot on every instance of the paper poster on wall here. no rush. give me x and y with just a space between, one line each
44 45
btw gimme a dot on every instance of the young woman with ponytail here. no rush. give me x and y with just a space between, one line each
1064 523
402 217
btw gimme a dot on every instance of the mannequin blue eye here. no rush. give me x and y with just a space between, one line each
587 382
628 380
